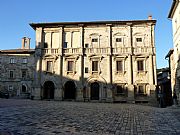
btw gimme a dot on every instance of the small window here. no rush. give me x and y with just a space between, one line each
94 65
24 73
118 39
24 60
70 66
12 60
0 60
94 40
45 45
65 44
138 39
140 65
11 74
119 66
86 45
141 89
49 66
10 88
86 69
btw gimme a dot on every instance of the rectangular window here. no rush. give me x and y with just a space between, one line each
0 60
118 39
12 60
24 60
24 73
94 40
119 66
138 39
65 44
11 74
45 45
140 65
86 69
49 66
86 45
70 66
94 65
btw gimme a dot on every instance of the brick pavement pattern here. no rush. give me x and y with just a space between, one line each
29 117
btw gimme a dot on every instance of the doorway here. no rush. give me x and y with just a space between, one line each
48 90
95 91
69 90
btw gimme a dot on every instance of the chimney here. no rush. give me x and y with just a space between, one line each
150 17
25 43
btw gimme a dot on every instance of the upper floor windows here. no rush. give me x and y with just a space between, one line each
94 66
94 39
24 73
119 66
138 39
11 74
118 39
24 60
0 60
70 66
140 65
12 60
65 44
49 66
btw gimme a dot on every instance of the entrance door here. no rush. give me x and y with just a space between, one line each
94 91
69 90
48 92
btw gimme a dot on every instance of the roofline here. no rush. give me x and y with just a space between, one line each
58 24
169 53
173 7
18 51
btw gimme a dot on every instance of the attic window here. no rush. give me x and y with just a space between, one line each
138 39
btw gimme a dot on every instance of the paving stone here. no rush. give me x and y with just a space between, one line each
77 118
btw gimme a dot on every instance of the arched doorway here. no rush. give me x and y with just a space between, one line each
69 90
94 91
23 89
48 90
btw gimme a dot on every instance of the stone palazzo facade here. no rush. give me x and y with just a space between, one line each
104 61
17 70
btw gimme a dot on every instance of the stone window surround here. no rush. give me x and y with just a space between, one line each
124 86
95 36
12 60
123 59
119 35
95 58
74 59
144 59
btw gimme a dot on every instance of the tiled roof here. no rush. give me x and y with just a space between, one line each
18 51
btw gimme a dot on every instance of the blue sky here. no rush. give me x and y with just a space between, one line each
15 16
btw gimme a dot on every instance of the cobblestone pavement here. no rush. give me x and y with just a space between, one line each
30 117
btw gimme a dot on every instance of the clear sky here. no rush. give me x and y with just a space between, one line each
15 16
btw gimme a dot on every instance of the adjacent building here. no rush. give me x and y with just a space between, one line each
17 70
104 61
174 54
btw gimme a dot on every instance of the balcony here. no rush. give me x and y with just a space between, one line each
97 50
72 51
143 50
121 50
51 51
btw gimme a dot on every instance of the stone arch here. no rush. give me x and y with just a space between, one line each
69 89
48 90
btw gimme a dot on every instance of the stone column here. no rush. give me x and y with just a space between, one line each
37 92
81 77
130 65
61 42
109 89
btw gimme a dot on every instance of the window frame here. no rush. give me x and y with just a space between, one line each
123 91
139 39
94 40
49 68
95 68
118 39
70 66
119 67
140 66
24 60
11 74
12 60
